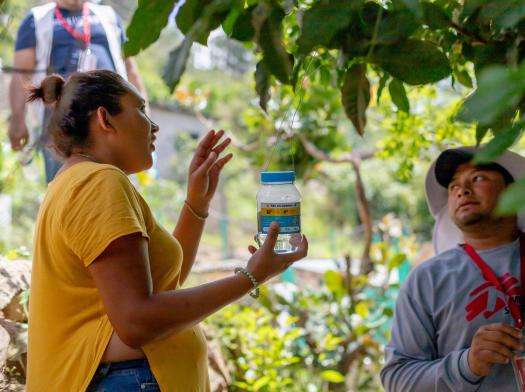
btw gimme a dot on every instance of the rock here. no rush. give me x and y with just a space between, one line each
8 383
15 311
16 370
15 277
16 351
5 339
18 338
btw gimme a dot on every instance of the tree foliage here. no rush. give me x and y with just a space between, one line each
328 336
414 42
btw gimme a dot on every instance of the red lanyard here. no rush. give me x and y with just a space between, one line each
490 276
86 35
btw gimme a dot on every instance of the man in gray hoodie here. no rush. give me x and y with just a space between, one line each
458 316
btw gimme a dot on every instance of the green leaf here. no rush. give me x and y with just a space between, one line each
219 12
355 96
499 89
485 55
503 14
275 57
334 282
200 17
471 6
362 309
243 29
149 19
502 141
331 342
463 77
399 95
512 200
396 26
176 64
262 85
261 382
227 24
435 16
396 261
243 385
413 61
382 84
481 131
333 376
411 5
295 73
188 14
322 22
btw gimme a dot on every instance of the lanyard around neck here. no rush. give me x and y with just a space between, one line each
85 36
490 276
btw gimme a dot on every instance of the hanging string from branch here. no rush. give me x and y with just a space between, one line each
278 133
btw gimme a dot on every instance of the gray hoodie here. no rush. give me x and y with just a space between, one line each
440 307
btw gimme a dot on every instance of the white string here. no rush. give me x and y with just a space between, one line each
290 124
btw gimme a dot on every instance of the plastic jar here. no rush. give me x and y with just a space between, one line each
279 200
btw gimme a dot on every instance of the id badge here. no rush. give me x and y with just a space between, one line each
87 61
518 364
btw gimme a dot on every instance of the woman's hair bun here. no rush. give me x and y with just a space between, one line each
50 90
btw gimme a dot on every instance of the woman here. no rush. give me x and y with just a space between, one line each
107 312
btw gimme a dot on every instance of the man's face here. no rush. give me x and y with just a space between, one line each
473 194
71 4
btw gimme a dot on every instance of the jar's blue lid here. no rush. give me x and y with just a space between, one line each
278 177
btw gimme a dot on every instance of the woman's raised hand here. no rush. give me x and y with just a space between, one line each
205 169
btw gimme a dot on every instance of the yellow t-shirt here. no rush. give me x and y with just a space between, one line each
87 207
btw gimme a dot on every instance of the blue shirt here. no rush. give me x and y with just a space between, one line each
65 49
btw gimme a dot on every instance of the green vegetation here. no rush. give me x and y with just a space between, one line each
398 43
357 97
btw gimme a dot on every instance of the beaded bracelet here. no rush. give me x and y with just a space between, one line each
200 217
255 292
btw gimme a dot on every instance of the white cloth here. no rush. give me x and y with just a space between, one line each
43 16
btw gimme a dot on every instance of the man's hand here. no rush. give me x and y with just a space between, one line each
23 59
493 344
18 134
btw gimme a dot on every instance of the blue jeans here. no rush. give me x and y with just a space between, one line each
126 376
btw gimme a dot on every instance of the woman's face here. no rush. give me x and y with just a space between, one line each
133 134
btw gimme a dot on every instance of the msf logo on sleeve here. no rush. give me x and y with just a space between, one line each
488 300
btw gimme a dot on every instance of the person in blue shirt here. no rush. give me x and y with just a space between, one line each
62 38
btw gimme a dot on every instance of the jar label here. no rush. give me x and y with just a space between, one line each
288 215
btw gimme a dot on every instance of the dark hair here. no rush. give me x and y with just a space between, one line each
75 101
449 160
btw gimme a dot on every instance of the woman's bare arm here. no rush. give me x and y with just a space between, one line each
203 177
140 315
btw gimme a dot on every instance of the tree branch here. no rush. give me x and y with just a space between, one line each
476 38
354 158
322 156
364 214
